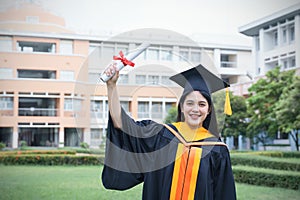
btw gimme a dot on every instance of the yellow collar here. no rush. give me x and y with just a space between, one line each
190 134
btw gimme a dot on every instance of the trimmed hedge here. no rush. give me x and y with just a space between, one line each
46 152
40 159
264 162
263 177
279 154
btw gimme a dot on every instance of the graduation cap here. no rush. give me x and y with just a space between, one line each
200 79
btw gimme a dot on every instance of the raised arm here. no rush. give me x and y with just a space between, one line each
113 97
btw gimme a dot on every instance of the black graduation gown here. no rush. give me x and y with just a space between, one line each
148 152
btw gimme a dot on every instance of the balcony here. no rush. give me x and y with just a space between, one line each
44 47
228 64
33 106
37 74
38 112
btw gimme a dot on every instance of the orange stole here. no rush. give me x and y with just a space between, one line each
185 172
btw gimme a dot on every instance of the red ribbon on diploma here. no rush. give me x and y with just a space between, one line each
123 59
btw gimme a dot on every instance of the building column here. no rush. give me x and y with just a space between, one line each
61 137
87 136
297 40
217 58
260 67
15 137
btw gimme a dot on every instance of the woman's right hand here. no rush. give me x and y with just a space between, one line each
113 96
112 70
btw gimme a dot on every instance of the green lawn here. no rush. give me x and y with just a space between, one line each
83 182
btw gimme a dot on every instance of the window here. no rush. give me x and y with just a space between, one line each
257 43
228 60
153 54
293 62
95 133
140 79
6 73
67 75
5 44
39 74
108 52
195 56
285 64
66 47
27 46
72 105
284 35
292 33
125 105
123 79
156 111
6 103
143 109
183 55
93 47
165 80
275 38
97 108
154 80
166 55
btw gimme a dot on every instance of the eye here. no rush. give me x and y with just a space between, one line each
202 104
189 103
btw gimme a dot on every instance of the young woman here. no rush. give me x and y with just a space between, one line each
183 160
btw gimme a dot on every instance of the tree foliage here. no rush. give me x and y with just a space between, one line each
235 124
172 115
288 110
264 97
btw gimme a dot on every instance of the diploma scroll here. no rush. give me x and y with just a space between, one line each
119 64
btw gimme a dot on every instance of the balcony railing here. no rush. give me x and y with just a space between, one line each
38 112
227 64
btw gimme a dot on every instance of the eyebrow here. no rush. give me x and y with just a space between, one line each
201 101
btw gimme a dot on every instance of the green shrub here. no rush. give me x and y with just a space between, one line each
23 152
279 154
23 144
84 145
265 162
2 145
42 159
266 177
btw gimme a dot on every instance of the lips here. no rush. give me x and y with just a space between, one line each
194 116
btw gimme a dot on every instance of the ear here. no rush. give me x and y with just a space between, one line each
209 109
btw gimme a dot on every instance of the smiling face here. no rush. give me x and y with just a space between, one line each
195 109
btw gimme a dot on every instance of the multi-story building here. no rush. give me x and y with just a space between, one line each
275 42
50 93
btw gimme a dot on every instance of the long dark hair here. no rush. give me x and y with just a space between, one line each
212 127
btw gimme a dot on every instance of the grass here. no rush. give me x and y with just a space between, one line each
83 182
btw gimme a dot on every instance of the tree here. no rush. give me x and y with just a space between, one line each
288 110
172 115
264 96
235 124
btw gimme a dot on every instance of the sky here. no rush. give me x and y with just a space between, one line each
187 17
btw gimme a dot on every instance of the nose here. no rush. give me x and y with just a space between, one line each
195 108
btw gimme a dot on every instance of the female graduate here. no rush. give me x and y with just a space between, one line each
178 161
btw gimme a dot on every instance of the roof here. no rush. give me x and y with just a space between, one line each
252 29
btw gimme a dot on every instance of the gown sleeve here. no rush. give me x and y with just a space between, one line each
224 186
125 150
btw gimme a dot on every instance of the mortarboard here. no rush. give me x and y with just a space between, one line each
200 79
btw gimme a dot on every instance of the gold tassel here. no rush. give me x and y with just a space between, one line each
227 106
